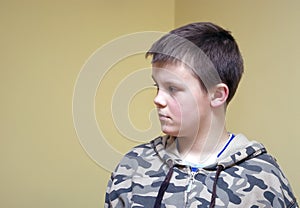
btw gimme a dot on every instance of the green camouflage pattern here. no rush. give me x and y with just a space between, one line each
251 178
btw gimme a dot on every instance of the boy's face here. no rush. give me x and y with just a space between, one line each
183 106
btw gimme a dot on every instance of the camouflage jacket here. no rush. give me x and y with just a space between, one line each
153 175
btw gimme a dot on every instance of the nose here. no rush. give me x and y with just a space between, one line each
160 100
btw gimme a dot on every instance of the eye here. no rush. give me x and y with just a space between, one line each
172 89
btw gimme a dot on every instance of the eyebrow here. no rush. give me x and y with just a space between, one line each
168 82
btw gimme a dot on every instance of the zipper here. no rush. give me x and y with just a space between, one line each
191 181
192 173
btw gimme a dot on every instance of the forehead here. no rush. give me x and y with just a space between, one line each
174 70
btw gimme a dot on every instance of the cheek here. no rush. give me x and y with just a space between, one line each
194 109
183 109
176 109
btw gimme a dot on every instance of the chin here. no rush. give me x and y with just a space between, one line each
169 131
177 133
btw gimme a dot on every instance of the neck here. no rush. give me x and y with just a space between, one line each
205 144
199 150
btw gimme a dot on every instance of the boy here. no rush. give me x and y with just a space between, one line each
198 163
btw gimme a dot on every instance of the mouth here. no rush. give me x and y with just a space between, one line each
163 117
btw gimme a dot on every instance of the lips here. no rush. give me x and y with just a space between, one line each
163 116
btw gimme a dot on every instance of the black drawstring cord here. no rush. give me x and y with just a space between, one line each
214 192
163 188
166 183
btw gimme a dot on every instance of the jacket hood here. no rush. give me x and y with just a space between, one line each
238 150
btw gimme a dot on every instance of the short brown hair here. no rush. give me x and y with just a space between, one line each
218 52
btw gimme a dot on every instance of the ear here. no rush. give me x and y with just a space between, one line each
219 95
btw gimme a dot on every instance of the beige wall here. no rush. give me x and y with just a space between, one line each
44 45
266 107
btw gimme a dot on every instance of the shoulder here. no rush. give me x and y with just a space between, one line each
267 175
264 165
140 156
143 150
268 165
134 171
